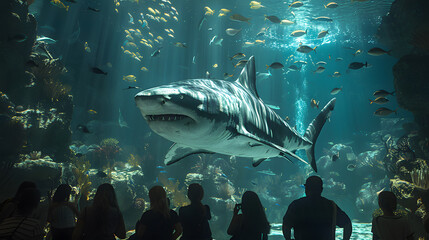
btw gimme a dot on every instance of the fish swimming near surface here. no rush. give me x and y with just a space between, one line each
322 19
275 65
305 49
94 9
378 52
238 56
379 100
298 33
382 93
156 52
296 4
232 31
357 65
335 91
239 18
384 111
96 70
273 19
322 34
217 116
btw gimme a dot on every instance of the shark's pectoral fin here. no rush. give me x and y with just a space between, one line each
283 151
177 152
257 161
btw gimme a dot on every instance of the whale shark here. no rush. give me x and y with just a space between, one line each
218 116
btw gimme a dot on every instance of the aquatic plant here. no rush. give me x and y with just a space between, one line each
225 190
177 196
420 177
48 74
80 170
134 160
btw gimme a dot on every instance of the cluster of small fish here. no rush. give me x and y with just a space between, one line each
380 98
140 34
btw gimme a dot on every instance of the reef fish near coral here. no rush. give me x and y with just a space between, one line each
216 116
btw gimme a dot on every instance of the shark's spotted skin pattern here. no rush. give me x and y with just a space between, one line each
206 116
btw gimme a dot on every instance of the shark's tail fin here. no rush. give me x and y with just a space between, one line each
314 129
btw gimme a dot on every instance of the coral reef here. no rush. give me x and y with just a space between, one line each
134 160
107 153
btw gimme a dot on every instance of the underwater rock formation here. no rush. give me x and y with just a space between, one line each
405 30
413 97
31 79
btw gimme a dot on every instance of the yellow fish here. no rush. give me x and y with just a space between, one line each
151 10
92 111
128 52
171 30
167 15
171 35
116 10
160 38
163 19
130 78
117 4
224 10
167 30
157 12
59 4
144 69
87 49
175 18
259 41
129 38
209 11
150 34
215 65
127 32
221 14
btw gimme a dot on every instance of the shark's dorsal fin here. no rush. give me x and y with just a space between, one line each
247 77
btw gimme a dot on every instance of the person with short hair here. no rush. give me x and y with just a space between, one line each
159 222
389 226
195 217
252 224
62 214
103 219
21 225
315 217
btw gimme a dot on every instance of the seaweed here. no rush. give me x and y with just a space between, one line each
80 170
134 160
177 196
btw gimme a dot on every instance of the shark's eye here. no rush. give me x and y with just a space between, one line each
181 96
162 102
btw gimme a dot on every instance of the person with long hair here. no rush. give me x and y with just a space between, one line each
159 222
62 214
22 225
195 217
9 206
252 224
102 220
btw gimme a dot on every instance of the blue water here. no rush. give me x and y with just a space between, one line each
353 28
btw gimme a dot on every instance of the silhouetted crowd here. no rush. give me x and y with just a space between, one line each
312 217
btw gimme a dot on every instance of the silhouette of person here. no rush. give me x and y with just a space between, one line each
195 217
8 207
315 217
389 226
102 220
62 214
159 222
21 225
252 224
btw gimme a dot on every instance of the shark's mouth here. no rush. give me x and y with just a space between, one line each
167 117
